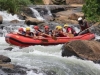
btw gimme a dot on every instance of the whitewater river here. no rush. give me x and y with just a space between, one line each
47 60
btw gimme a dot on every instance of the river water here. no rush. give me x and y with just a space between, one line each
47 60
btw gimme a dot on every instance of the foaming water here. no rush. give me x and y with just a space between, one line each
48 59
8 17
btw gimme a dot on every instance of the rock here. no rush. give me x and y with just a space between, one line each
46 2
1 19
11 66
5 59
89 50
73 17
10 48
74 1
14 21
32 21
64 19
12 69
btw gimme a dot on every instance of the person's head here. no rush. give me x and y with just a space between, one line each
80 20
20 29
36 27
66 25
27 29
46 27
57 27
60 28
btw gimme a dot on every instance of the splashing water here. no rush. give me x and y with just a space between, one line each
37 15
8 17
47 60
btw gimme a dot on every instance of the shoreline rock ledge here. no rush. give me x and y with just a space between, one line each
89 50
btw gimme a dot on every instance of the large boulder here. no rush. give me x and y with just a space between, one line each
1 19
14 21
89 50
30 20
5 59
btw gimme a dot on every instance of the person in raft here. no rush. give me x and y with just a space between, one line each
58 32
69 29
83 25
28 33
21 31
47 32
37 31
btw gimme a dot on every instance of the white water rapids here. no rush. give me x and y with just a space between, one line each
47 60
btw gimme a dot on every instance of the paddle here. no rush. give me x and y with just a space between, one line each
70 35
88 29
54 37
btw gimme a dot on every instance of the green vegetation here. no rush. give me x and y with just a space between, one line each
37 2
14 6
91 9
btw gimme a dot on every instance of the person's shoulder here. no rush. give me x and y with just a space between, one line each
84 20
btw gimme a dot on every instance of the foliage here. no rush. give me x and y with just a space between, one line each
38 2
13 6
91 9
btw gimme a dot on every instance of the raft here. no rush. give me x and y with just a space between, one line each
22 41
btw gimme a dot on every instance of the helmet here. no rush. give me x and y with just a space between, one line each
66 25
36 27
80 18
57 27
46 27
27 28
20 29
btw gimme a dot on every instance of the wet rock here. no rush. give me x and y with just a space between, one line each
26 11
89 50
32 21
73 17
15 70
64 19
74 1
10 48
10 66
5 59
1 19
14 21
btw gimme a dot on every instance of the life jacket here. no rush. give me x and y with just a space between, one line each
60 34
30 34
48 32
37 33
84 25
70 28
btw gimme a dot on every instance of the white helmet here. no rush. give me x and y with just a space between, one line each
80 18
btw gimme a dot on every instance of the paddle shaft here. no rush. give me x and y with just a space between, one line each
88 29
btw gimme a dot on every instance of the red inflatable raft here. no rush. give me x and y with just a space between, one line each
22 41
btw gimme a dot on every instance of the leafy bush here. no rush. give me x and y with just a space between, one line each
13 6
38 2
91 9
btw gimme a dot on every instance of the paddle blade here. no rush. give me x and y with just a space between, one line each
54 37
70 35
44 40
